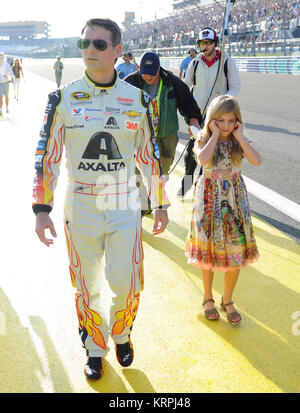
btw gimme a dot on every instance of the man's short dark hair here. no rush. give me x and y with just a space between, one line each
108 25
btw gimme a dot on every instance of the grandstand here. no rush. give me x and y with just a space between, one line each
251 23
255 27
179 5
31 39
14 31
22 38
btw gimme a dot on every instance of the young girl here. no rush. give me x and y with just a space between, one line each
221 235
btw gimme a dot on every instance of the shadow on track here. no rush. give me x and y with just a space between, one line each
138 381
265 337
287 229
272 129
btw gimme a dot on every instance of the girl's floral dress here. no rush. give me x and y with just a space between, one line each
221 236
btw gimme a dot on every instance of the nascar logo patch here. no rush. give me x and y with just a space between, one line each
81 96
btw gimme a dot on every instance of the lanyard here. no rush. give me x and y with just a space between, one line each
155 106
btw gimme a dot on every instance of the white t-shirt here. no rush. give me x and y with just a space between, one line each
6 73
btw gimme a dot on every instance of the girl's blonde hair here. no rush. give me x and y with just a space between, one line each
219 106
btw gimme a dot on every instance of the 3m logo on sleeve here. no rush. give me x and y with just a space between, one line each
132 126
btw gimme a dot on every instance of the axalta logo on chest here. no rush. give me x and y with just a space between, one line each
99 166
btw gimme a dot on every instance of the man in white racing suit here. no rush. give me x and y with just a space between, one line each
92 118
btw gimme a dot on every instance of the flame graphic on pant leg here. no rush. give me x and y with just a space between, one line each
88 319
126 317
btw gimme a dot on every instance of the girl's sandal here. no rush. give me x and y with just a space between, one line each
231 316
211 313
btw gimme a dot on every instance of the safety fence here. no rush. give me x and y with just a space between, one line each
279 65
285 65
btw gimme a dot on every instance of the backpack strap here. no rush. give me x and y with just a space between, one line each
226 72
195 68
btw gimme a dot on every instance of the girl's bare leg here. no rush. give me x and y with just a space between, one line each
207 279
230 279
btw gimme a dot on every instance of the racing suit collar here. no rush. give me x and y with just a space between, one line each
99 88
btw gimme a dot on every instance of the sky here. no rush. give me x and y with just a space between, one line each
67 21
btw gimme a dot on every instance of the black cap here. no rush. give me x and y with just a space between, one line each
149 64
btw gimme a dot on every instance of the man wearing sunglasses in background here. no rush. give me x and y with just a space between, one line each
200 77
92 118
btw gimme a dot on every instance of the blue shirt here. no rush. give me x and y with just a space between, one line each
125 69
185 63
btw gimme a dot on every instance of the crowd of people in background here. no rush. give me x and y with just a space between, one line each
182 28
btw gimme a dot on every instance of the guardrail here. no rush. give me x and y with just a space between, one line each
285 65
277 65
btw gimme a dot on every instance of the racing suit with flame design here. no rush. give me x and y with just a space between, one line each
106 131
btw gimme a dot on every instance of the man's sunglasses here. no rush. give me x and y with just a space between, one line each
99 44
205 42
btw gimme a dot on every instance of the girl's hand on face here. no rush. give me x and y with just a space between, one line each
238 130
213 127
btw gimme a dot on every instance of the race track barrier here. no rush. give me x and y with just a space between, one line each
285 65
277 65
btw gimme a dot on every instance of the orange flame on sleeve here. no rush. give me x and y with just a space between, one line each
50 159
